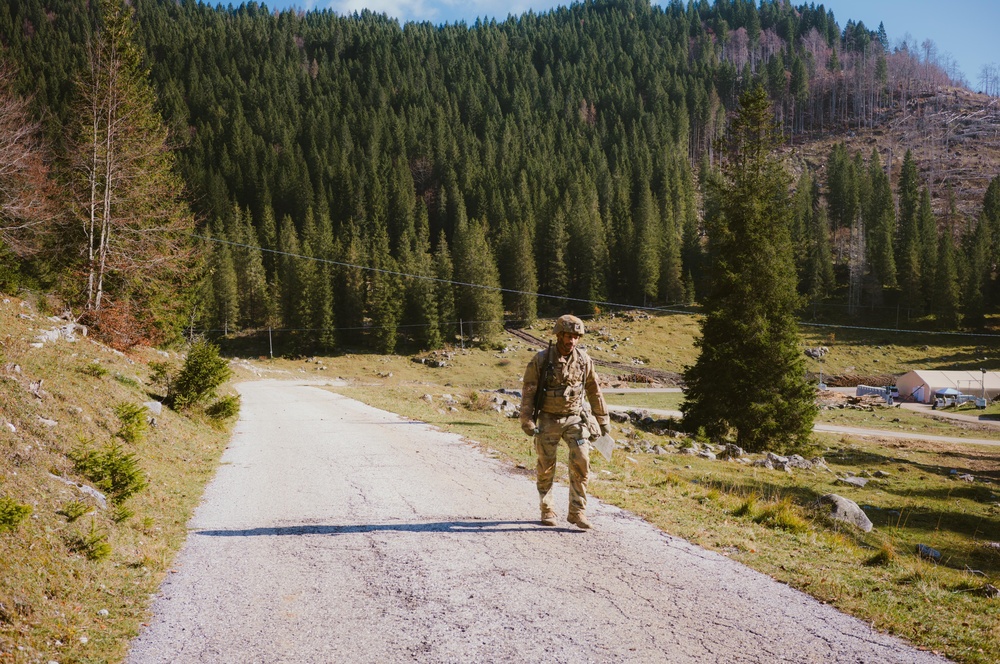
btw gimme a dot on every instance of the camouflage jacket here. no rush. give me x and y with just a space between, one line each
569 380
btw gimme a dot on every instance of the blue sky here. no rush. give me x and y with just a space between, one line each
964 29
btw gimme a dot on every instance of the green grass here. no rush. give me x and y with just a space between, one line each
70 559
765 519
653 400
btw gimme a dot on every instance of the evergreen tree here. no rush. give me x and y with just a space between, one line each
384 304
480 306
947 303
976 278
908 244
421 308
928 246
880 227
349 305
517 272
749 346
444 271
552 254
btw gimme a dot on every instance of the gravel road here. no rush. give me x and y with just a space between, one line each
335 532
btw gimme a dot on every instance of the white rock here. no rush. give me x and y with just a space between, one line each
154 407
103 613
47 422
10 425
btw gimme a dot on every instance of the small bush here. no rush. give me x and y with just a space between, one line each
12 513
885 556
114 471
224 408
133 419
748 507
128 381
94 544
203 372
159 374
121 513
782 515
73 510
478 402
95 369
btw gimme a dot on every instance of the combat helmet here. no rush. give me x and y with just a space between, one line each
568 323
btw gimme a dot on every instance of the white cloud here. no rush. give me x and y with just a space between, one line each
436 11
404 10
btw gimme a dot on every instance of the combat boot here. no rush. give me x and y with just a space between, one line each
548 518
580 520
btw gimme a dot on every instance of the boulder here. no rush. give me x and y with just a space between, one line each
154 407
858 482
925 551
848 511
796 461
731 451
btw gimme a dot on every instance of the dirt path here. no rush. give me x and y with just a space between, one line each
836 428
335 532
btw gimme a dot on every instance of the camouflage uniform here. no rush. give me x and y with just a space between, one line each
564 416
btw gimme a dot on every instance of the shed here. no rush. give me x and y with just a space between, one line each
920 385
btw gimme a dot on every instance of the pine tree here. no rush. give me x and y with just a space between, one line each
947 303
444 271
976 280
289 275
517 273
384 304
421 309
749 346
908 244
927 223
479 305
880 226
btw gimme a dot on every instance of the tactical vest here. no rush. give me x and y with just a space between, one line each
564 389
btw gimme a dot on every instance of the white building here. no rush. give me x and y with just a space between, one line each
920 385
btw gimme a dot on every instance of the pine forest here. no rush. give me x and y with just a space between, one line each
171 167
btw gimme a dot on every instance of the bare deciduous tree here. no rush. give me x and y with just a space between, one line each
26 193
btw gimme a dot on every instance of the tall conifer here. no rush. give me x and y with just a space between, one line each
749 378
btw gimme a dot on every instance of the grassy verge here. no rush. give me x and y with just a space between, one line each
77 578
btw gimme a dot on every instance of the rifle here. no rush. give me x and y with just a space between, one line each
543 378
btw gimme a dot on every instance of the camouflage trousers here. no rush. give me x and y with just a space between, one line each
572 429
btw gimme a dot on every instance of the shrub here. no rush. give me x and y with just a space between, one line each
782 515
748 507
114 471
94 544
12 513
121 513
885 556
202 373
95 369
128 381
159 374
73 510
226 407
133 419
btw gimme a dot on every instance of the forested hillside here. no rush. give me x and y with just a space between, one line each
570 153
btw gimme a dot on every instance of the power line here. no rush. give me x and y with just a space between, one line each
619 305
429 278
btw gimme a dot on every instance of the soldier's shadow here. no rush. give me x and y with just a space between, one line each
471 527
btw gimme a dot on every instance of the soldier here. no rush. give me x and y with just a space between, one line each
566 374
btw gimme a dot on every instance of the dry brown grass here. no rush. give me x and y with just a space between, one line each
77 579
